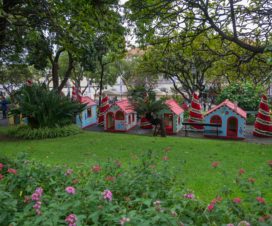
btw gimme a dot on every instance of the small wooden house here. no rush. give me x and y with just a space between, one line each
172 116
232 120
120 117
88 116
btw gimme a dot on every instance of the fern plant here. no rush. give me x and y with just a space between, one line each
45 108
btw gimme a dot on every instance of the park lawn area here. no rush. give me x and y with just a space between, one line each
190 157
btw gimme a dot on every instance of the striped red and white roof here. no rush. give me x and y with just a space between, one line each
87 100
230 105
125 106
174 107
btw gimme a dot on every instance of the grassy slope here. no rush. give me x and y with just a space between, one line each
192 156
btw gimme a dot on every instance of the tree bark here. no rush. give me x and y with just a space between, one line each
101 81
55 69
67 73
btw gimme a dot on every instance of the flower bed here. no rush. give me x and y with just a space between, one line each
144 193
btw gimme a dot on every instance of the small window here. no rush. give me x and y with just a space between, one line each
216 119
89 112
119 115
179 120
133 117
129 119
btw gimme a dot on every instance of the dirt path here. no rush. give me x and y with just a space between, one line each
137 130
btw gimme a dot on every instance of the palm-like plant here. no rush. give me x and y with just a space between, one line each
145 104
44 107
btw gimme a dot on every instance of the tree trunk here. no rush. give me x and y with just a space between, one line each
55 75
68 72
163 132
55 68
101 82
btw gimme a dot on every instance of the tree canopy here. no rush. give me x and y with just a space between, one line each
245 23
46 29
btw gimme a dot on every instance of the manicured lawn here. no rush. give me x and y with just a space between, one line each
191 158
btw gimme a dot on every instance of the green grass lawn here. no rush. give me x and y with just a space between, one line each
191 157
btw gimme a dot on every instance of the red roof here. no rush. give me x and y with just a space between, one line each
125 106
230 105
88 101
174 107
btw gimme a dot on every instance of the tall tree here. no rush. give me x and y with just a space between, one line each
56 27
187 67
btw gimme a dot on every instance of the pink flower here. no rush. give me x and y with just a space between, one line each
96 169
39 191
1 177
237 200
69 172
70 190
165 158
189 196
215 164
210 207
260 200
230 224
37 205
1 166
241 171
71 220
244 223
270 163
107 195
123 220
35 196
12 171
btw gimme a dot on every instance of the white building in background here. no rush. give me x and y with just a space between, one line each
118 90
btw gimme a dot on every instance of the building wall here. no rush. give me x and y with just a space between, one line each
84 121
179 125
223 129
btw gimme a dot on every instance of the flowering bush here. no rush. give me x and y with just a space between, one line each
144 193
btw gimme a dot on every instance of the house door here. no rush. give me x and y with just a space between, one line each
168 123
232 127
110 120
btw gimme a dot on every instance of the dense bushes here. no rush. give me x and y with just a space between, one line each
25 132
144 193
45 108
245 94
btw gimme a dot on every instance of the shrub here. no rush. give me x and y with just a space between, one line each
250 119
45 108
25 132
247 96
144 193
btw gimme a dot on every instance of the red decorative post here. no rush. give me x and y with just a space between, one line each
102 109
195 114
263 124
